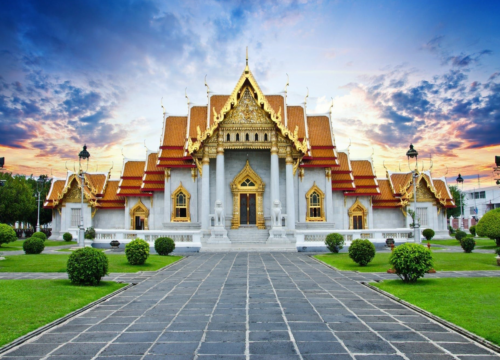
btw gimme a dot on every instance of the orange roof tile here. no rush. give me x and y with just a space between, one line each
319 131
217 102
151 163
135 183
96 181
365 182
174 131
400 181
320 163
363 191
277 102
343 162
152 187
172 153
133 169
295 116
176 163
343 186
198 118
132 192
386 204
341 177
441 188
385 192
362 168
110 194
56 189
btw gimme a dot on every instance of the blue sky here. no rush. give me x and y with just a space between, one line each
94 71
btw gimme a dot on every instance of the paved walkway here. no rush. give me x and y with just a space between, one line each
250 306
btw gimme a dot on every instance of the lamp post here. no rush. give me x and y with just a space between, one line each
460 180
39 187
412 153
83 155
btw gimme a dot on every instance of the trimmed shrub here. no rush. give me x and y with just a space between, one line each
137 251
164 245
67 237
33 245
451 230
87 266
489 225
7 234
362 251
428 234
468 244
411 261
334 242
40 235
89 233
460 235
497 251
472 230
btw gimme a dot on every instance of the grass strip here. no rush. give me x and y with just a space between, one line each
26 305
57 263
481 243
471 303
442 262
18 245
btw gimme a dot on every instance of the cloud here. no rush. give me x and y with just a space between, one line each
464 60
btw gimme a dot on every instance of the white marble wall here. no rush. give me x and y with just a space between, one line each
66 218
178 175
311 176
109 219
388 218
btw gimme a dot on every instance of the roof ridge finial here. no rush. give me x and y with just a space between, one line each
186 95
161 102
331 108
400 166
446 171
247 57
307 95
287 83
349 148
208 89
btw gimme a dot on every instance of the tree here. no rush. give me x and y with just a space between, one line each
489 225
45 214
457 193
16 199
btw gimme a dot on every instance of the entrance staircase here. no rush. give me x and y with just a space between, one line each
246 235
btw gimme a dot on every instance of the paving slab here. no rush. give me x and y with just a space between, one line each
249 306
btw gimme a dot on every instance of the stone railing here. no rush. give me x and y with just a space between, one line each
180 237
317 237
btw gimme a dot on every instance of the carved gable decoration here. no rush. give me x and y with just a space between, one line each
74 194
247 111
424 194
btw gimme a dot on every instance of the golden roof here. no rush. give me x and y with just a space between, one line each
400 182
386 194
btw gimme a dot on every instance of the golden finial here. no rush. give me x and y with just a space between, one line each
112 165
208 89
383 164
145 145
287 83
247 56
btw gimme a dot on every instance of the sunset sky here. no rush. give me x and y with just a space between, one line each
94 72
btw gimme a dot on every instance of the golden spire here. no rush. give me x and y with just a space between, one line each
246 67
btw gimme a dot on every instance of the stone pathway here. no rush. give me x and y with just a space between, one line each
250 306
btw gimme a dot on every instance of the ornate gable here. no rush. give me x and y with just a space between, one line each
247 112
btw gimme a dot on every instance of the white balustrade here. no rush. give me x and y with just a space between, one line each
182 238
317 237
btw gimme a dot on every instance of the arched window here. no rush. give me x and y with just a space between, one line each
228 137
180 205
237 137
247 137
358 215
256 137
314 200
265 137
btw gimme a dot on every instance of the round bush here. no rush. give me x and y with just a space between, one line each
411 261
67 237
164 245
334 242
33 245
428 234
489 225
468 244
7 234
472 230
89 233
137 251
460 235
362 251
40 235
87 266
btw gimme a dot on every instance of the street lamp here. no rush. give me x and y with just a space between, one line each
412 153
460 180
39 187
84 155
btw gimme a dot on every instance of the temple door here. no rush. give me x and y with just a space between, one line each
248 212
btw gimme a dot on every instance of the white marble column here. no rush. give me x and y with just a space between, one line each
220 174
167 205
328 195
274 170
205 191
290 198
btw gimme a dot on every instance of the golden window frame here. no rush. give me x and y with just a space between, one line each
138 209
358 209
174 217
309 194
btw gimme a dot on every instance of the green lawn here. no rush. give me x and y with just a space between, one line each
470 303
18 245
481 243
26 305
57 263
442 262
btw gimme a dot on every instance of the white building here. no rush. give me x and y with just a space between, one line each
481 200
